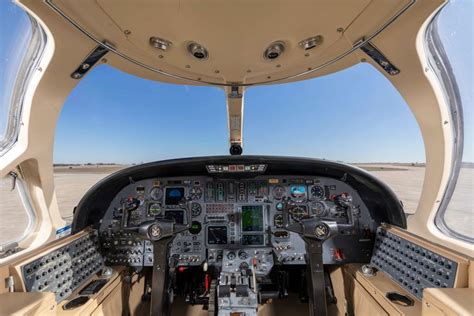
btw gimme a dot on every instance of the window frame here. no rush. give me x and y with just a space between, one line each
26 69
439 62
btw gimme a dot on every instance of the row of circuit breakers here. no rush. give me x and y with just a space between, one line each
410 265
65 269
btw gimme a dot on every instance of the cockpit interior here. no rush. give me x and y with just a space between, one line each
237 234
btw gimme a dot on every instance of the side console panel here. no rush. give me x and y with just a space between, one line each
416 264
63 267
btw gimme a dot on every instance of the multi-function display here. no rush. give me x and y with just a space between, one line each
252 218
174 195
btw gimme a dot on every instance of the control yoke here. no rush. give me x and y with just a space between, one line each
314 232
160 232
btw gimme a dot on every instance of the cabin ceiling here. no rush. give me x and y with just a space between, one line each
234 33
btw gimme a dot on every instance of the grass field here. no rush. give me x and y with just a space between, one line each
72 182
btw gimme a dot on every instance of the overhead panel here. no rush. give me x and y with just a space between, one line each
234 37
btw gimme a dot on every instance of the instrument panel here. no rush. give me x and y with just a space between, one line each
237 214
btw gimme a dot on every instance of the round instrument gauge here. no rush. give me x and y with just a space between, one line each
231 255
154 209
156 194
298 212
298 193
318 208
196 209
317 191
278 221
278 192
243 255
195 228
279 206
195 193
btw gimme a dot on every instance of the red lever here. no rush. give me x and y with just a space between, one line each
338 254
207 280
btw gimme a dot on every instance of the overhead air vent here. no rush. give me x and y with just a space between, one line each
274 50
311 42
160 43
198 51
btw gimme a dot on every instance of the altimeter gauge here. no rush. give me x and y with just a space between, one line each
318 209
196 209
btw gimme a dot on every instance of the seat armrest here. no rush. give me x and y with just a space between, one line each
439 301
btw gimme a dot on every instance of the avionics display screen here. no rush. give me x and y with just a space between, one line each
173 196
178 216
252 218
253 240
217 235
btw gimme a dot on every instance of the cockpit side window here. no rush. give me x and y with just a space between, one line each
22 41
449 39
16 213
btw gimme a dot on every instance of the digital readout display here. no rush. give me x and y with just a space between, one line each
252 240
178 216
252 218
174 196
217 235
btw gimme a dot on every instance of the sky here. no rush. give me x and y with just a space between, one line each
355 115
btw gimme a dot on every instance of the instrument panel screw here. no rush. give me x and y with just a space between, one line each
340 30
127 32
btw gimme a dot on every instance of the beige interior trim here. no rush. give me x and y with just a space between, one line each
448 302
380 284
33 303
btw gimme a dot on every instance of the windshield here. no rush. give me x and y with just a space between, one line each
113 120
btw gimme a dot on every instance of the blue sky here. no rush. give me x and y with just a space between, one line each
115 117
354 115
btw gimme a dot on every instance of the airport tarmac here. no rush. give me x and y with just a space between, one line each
73 182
